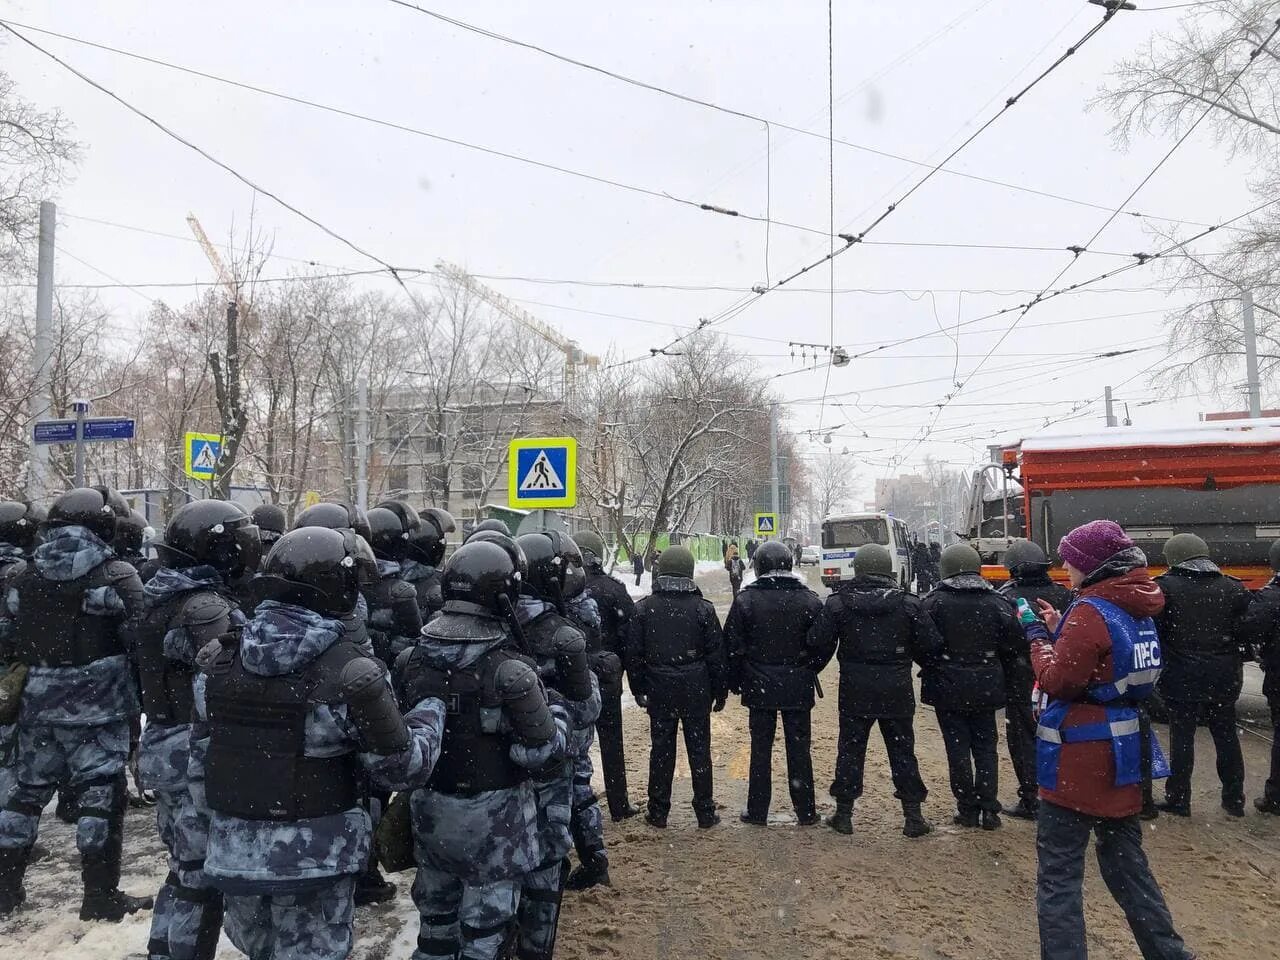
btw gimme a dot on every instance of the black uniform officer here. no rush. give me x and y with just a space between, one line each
208 545
19 523
1202 639
424 550
965 681
395 621
1262 631
675 659
271 521
616 610
876 629
1029 580
772 667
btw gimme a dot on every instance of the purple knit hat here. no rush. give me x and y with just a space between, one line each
1089 546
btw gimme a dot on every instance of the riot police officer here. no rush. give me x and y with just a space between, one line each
559 650
675 658
395 622
19 523
476 823
1029 580
290 720
131 538
772 667
877 629
965 682
616 609
1202 635
424 534
69 612
492 524
208 545
271 521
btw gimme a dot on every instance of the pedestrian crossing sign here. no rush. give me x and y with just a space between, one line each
543 472
766 524
200 455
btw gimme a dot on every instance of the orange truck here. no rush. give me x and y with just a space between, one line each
1218 480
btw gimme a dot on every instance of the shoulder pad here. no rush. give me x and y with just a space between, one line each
569 639
215 656
402 590
513 677
402 660
114 571
205 607
358 675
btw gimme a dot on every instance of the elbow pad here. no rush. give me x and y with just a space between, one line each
518 689
608 667
573 669
372 707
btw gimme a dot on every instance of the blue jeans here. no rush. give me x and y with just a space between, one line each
1061 838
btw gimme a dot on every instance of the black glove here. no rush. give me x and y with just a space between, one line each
642 700
719 704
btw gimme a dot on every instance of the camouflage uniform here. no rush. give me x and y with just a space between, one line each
395 622
587 823
288 884
73 725
179 927
539 912
12 562
474 851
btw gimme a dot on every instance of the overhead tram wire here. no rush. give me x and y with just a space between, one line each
852 239
746 115
208 156
1114 213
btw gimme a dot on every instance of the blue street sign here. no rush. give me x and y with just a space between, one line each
543 472
109 428
55 431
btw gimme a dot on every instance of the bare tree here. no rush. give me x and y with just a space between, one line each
831 480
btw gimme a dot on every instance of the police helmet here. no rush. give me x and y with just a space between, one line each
873 560
592 547
771 557
131 533
546 566
1024 553
497 526
957 559
214 532
424 536
271 522
115 500
442 519
387 535
87 507
19 522
314 567
1182 547
335 516
483 573
508 544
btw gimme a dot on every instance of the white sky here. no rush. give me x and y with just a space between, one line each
411 200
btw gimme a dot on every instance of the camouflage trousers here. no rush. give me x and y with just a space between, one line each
587 823
469 921
90 760
8 761
315 925
187 918
539 917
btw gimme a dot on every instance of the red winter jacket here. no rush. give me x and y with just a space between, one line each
1081 657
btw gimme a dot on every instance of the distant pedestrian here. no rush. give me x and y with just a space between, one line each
1096 665
637 565
1262 630
733 563
752 547
924 567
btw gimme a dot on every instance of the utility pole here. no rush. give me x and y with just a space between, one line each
1252 385
42 356
773 460
81 407
362 443
1111 410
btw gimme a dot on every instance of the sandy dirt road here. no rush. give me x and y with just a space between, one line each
741 893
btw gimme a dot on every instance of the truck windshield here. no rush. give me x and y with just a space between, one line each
855 533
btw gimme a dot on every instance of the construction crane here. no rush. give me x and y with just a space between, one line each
220 268
574 357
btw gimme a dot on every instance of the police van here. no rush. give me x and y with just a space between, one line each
843 534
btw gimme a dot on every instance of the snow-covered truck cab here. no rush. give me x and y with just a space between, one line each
843 534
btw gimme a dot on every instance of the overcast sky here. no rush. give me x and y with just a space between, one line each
911 79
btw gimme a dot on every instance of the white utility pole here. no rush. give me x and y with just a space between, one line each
362 443
1252 386
773 463
38 478
1111 410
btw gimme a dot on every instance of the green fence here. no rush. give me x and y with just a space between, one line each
703 546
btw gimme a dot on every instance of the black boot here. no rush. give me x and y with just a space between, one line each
966 818
373 887
913 822
1268 805
1024 810
990 820
103 899
623 812
68 808
592 872
842 820
13 866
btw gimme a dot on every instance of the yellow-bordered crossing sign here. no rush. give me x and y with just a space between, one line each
542 472
766 524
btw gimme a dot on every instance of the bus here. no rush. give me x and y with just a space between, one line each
843 534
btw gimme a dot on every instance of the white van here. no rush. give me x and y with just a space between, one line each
843 534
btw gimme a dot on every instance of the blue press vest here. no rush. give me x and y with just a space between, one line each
1136 663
